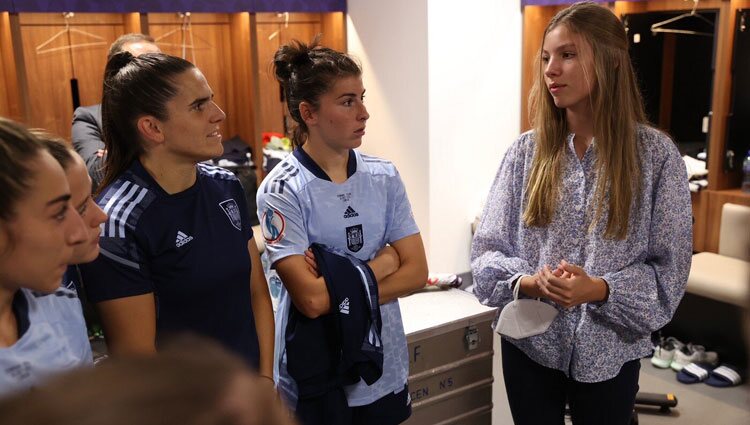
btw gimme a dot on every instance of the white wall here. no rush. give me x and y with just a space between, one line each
443 90
390 39
475 76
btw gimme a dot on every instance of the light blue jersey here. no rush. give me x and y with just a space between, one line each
54 339
298 205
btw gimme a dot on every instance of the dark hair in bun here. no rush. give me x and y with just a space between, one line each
305 72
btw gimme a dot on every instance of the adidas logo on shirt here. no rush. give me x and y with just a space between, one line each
182 239
350 213
344 306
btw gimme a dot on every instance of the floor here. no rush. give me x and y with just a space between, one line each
698 404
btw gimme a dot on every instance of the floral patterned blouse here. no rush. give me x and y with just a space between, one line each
646 272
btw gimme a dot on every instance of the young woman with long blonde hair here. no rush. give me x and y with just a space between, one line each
589 212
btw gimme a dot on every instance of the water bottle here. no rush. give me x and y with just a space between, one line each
746 173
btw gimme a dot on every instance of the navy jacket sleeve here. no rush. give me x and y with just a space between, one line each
344 346
354 297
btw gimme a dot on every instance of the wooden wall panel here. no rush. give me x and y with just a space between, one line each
48 80
244 82
211 53
48 99
720 103
4 101
226 50
272 31
333 27
302 31
281 18
9 96
132 23
77 19
269 103
700 204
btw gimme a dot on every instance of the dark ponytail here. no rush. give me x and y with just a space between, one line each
306 72
134 87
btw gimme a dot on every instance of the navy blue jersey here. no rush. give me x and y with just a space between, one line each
189 249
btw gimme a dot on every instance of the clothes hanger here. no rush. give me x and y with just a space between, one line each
40 49
187 34
185 28
659 26
278 31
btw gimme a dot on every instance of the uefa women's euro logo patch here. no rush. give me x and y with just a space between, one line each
233 212
272 225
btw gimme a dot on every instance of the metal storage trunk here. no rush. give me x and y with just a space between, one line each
450 358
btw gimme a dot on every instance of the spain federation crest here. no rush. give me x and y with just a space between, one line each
272 225
233 212
354 238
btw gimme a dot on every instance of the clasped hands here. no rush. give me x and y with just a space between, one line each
567 285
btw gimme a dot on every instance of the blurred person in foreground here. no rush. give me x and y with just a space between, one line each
193 381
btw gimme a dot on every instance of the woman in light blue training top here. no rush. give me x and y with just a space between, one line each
590 211
41 324
329 193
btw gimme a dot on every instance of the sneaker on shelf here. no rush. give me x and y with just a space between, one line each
664 352
693 353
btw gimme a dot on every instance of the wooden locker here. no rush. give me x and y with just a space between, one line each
47 72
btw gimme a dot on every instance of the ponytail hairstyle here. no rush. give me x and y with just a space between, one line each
18 148
305 73
617 112
134 87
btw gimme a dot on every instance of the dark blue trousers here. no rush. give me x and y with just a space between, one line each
537 395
